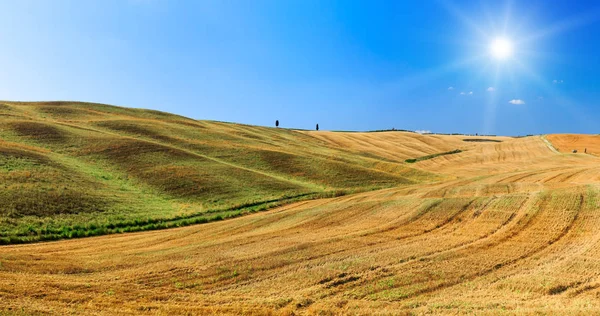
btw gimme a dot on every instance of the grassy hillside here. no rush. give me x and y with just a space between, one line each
79 169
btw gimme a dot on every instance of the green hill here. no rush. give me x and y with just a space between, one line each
72 169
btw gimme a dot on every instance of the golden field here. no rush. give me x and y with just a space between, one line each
505 226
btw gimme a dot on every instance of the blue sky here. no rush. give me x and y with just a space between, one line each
347 65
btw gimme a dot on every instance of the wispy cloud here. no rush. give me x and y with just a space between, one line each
491 89
450 88
466 93
516 101
423 131
556 81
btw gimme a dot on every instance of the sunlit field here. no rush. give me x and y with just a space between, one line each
278 221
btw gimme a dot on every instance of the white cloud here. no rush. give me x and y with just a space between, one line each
425 131
471 93
491 89
467 93
462 93
555 81
450 88
516 101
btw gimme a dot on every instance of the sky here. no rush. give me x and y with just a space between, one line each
346 65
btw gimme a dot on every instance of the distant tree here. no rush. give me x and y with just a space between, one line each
317 127
276 123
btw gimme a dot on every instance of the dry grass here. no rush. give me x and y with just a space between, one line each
505 226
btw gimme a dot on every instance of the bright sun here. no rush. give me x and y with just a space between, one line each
501 48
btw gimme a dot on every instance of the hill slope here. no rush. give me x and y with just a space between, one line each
79 169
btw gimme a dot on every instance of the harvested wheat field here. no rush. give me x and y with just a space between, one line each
345 225
566 143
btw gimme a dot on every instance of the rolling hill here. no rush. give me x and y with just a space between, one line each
348 227
81 169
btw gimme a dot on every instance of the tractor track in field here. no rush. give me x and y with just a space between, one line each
513 261
549 144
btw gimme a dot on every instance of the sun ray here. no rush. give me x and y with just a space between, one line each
490 20
489 117
510 73
507 15
416 80
564 25
453 9
528 53
479 76
568 105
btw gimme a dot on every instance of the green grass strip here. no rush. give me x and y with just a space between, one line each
145 224
413 160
